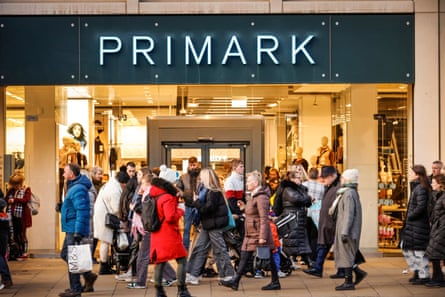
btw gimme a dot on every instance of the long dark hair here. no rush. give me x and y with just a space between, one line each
420 171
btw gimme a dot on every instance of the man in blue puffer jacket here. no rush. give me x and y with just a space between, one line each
75 217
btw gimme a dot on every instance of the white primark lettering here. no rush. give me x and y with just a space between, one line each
144 51
239 53
301 48
103 51
206 46
268 51
267 47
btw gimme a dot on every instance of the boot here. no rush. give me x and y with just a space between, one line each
339 274
415 277
90 278
183 292
160 291
233 283
274 285
105 268
348 284
359 275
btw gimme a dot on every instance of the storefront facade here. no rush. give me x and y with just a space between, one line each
357 49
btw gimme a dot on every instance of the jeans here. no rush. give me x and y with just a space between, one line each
188 220
200 252
322 252
4 269
74 278
276 258
143 260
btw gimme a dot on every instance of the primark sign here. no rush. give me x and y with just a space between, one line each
206 49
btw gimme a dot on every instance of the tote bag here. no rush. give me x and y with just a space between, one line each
231 223
79 258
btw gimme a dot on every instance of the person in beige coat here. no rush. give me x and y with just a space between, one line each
257 231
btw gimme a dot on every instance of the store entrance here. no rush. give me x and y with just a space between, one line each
216 155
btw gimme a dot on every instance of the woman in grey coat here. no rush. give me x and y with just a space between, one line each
347 212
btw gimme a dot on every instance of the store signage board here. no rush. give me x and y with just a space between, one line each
206 49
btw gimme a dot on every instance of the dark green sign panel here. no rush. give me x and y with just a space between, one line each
206 49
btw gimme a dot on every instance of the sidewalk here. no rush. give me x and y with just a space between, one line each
39 277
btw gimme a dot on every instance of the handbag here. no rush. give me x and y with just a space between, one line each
262 258
231 223
286 224
79 258
112 221
122 241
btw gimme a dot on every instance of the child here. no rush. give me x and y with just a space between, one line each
276 253
4 236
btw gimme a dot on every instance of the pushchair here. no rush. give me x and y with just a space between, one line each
120 258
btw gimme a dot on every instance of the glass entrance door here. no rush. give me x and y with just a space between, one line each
209 154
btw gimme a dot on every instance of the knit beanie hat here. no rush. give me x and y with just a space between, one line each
350 176
167 174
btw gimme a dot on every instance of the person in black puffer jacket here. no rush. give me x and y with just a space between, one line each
296 200
213 212
416 230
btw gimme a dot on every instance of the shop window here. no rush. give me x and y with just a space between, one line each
392 164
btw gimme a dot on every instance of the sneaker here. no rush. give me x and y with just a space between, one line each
123 276
135 286
190 279
282 274
225 278
168 283
2 286
259 274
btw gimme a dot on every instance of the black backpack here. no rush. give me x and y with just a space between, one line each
150 217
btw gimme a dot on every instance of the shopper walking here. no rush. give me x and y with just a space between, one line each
257 230
18 197
415 234
436 245
166 243
347 213
4 237
187 189
75 218
213 213
295 199
326 225
234 191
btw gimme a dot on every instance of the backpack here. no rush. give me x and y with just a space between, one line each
34 204
150 217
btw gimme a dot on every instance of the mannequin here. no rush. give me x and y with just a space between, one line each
99 150
299 160
324 154
339 154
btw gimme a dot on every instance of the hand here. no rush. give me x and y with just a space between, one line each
77 238
344 238
59 206
262 241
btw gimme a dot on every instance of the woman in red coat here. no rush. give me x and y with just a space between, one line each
166 243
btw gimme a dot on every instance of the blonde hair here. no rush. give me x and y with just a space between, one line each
256 176
209 179
297 171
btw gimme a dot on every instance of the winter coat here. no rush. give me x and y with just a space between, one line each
21 198
349 222
295 200
75 212
126 198
415 234
166 243
257 221
436 245
213 211
326 224
107 201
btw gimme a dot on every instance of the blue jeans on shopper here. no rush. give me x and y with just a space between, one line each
188 220
75 284
4 269
322 252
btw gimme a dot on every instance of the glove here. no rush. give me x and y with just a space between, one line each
58 206
344 238
77 238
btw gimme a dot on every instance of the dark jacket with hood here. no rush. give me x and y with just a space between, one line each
296 200
416 230
212 209
326 224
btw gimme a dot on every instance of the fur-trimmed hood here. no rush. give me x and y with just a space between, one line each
162 185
